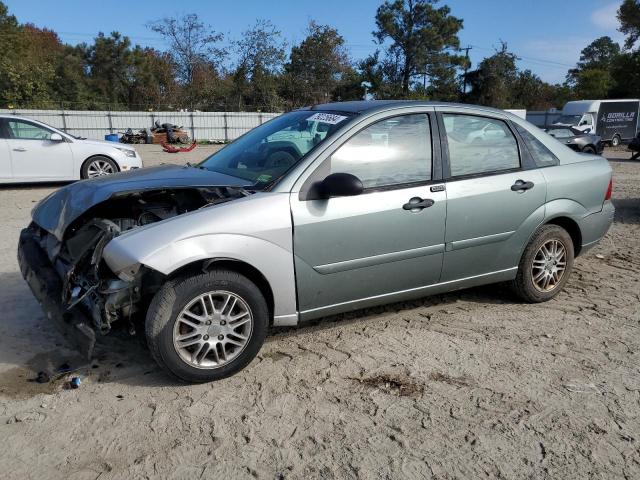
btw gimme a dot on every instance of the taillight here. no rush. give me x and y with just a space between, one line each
607 196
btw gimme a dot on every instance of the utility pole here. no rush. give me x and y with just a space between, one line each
466 67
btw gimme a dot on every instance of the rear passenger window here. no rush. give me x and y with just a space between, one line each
479 145
542 156
394 151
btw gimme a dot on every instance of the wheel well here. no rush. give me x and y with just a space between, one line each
572 229
238 266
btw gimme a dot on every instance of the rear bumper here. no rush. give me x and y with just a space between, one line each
46 286
596 226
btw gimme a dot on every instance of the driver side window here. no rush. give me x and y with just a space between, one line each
27 131
394 151
586 120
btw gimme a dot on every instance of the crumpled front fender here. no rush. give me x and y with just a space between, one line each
274 262
255 230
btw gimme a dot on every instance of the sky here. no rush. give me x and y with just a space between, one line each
547 35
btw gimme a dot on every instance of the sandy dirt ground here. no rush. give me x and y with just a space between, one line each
464 385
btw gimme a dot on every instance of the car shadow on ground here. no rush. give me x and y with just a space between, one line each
122 358
487 294
623 160
627 210
35 186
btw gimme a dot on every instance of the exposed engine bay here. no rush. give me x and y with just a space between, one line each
87 283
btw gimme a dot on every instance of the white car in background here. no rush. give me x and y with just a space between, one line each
32 151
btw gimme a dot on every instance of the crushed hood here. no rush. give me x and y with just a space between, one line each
57 211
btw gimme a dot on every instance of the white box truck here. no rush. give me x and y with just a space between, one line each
615 121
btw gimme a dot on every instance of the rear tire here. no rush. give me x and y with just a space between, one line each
539 278
211 347
616 141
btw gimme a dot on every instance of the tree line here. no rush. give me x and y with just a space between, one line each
419 57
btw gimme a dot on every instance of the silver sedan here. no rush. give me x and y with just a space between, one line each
320 211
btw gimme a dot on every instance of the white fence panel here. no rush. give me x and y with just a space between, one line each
216 126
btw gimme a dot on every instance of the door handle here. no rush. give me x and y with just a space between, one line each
417 203
521 186
19 149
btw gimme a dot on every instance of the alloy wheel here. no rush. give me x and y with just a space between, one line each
98 168
212 329
549 265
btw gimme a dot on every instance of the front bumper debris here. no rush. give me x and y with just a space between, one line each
46 286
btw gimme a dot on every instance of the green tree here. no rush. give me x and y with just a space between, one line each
629 17
261 54
592 76
422 37
316 66
27 63
109 62
493 81
191 44
153 84
70 85
593 83
626 73
626 68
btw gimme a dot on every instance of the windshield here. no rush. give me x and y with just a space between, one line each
267 152
569 119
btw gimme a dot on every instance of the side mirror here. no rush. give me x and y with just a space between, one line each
587 130
56 137
336 185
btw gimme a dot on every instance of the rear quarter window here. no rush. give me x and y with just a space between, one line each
541 155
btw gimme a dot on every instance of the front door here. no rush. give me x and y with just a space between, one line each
35 155
494 201
5 155
352 251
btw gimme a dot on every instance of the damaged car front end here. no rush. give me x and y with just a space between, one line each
197 258
61 252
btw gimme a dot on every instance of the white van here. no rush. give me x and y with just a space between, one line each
613 120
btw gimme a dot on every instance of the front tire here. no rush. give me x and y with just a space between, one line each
545 266
98 166
206 327
589 149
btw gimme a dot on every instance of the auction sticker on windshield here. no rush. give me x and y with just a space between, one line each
326 118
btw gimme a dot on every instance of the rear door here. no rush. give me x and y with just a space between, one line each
366 248
34 155
495 196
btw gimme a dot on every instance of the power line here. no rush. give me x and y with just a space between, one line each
531 59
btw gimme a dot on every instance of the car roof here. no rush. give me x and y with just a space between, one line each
369 106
